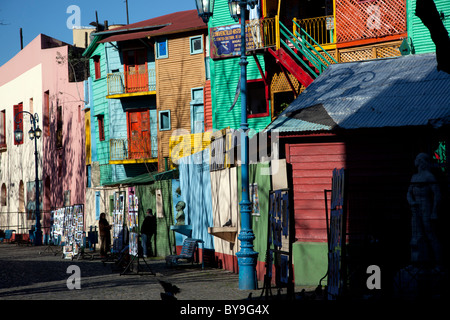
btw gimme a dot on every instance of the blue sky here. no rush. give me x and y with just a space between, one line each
50 17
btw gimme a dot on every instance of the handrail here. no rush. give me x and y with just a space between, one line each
286 34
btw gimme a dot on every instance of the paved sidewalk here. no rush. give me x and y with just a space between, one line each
31 273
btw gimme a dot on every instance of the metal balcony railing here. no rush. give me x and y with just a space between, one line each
133 149
321 29
131 82
264 31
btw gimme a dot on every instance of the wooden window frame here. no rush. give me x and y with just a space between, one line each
266 92
97 67
158 54
3 143
17 109
101 127
159 120
191 49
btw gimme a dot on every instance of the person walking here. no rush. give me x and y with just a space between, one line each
148 230
105 235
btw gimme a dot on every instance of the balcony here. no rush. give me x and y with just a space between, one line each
128 151
128 84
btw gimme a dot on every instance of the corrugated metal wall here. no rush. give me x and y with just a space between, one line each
176 76
418 33
224 80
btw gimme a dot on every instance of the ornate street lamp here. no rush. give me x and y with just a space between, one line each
246 256
32 134
205 9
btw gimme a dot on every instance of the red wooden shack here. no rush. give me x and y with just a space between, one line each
371 118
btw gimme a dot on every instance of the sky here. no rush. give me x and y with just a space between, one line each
54 17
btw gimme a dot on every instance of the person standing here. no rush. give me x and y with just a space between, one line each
148 230
105 235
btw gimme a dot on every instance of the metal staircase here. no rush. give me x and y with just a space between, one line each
299 53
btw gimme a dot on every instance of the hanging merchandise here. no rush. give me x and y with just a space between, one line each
73 231
133 206
118 221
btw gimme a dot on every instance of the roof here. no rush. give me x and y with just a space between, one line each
146 178
182 21
391 92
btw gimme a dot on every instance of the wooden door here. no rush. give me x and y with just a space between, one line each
136 75
139 145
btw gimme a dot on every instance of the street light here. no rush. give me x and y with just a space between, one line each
246 256
32 134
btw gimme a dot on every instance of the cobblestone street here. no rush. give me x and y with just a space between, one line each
36 273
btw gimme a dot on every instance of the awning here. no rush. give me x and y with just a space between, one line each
146 178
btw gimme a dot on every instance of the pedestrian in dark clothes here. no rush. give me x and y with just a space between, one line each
148 230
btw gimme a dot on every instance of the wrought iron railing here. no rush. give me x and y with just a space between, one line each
128 149
131 82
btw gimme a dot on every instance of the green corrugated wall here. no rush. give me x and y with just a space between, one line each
224 80
147 200
418 33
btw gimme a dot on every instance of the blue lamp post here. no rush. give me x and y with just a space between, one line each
34 133
246 256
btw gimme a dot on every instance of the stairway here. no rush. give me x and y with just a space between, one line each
296 52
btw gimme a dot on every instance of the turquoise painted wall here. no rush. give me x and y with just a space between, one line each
418 33
114 111
224 80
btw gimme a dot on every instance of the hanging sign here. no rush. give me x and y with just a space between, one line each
226 41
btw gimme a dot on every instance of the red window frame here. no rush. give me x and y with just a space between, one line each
98 71
266 94
18 108
101 127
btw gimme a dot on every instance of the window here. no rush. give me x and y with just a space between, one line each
3 129
97 68
196 44
46 111
18 112
197 114
161 49
164 120
257 105
101 127
59 127
31 105
3 195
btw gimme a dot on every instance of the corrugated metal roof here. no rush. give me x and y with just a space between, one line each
393 92
170 23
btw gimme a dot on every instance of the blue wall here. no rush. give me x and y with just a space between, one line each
195 185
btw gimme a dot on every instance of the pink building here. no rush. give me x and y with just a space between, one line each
44 78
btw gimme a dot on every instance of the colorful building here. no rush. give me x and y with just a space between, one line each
147 81
45 78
